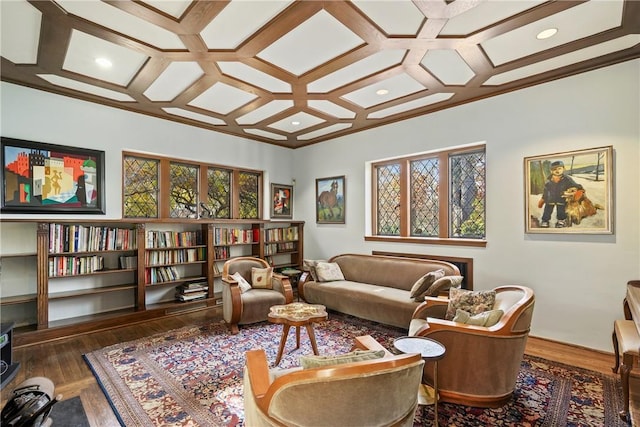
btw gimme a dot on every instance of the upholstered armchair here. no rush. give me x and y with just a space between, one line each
378 392
482 363
251 305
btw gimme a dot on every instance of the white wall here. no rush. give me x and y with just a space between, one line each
40 116
579 280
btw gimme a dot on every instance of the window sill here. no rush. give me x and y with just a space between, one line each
428 241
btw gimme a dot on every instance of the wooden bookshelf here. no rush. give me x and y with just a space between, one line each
60 278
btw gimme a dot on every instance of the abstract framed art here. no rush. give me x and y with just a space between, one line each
570 192
281 201
47 178
330 200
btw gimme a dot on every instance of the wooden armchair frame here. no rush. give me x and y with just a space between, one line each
482 363
233 306
264 389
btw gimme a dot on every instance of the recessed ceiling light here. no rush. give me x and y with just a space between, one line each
545 34
382 91
295 123
103 62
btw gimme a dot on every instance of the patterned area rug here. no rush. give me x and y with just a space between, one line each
193 377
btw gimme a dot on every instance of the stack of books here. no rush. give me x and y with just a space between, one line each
192 291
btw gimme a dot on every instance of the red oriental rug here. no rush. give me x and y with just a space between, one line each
193 377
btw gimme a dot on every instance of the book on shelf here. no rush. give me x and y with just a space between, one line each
188 288
129 262
191 297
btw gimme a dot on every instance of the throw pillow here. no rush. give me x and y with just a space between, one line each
472 301
308 362
486 318
328 272
422 284
242 283
261 277
310 266
443 284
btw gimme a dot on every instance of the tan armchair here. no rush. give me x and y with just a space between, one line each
482 363
379 392
252 306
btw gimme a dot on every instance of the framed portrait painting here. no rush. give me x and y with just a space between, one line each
330 200
47 178
570 192
281 201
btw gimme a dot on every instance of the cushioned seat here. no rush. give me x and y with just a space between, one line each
482 362
251 306
378 392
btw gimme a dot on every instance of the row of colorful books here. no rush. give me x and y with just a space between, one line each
174 239
274 248
73 265
231 236
281 234
80 238
161 274
175 256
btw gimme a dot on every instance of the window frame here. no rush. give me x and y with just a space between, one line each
405 210
164 184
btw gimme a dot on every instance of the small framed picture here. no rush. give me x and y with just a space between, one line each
570 192
330 200
281 201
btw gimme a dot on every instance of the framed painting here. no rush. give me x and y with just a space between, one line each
330 200
570 192
281 201
47 178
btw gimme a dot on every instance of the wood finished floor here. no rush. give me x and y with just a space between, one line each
62 362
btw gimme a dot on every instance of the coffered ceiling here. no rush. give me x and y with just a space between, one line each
294 73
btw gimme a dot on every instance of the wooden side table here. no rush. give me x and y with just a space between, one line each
297 314
431 351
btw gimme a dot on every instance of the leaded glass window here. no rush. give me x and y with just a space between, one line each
249 189
141 187
467 207
424 198
438 195
388 180
183 191
218 202
157 187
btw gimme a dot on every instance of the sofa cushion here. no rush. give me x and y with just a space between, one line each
422 284
486 318
261 277
310 266
472 301
308 362
328 272
242 283
443 284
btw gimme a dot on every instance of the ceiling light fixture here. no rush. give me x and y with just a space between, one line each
545 34
382 91
295 123
103 62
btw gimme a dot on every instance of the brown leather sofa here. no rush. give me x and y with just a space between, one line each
376 287
481 365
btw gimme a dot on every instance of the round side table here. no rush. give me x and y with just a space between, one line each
431 351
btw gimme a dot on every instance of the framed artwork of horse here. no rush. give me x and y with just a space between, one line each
330 200
570 192
47 178
281 201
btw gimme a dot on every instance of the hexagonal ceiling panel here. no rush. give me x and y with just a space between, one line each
294 73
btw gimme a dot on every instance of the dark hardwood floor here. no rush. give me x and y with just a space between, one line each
62 362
